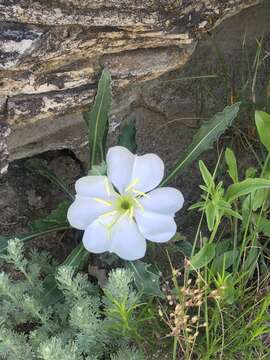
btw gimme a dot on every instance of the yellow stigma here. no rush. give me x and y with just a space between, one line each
139 205
121 205
124 203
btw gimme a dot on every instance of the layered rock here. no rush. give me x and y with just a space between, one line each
52 52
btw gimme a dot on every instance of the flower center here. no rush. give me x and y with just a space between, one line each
124 203
121 205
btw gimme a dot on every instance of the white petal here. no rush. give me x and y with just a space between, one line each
83 211
165 200
119 166
124 169
96 238
126 240
94 186
149 171
155 227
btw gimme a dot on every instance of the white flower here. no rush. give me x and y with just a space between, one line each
120 221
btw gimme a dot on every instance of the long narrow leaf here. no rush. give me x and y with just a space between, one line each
246 187
262 120
205 137
127 137
263 224
232 164
97 118
27 237
57 218
38 166
203 257
55 221
77 256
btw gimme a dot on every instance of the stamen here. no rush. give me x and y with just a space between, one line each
133 183
107 186
139 193
114 222
103 201
107 226
108 214
131 213
139 204
110 225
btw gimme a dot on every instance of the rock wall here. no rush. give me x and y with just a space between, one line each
52 53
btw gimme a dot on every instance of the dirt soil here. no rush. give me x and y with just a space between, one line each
26 196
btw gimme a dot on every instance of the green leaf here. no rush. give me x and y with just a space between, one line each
246 187
97 118
127 138
98 170
146 281
251 260
177 238
210 211
224 261
4 243
262 120
198 205
263 224
203 257
184 247
57 218
232 164
76 259
207 177
229 291
250 172
223 246
39 166
259 332
55 221
205 137
259 197
179 244
27 237
230 212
